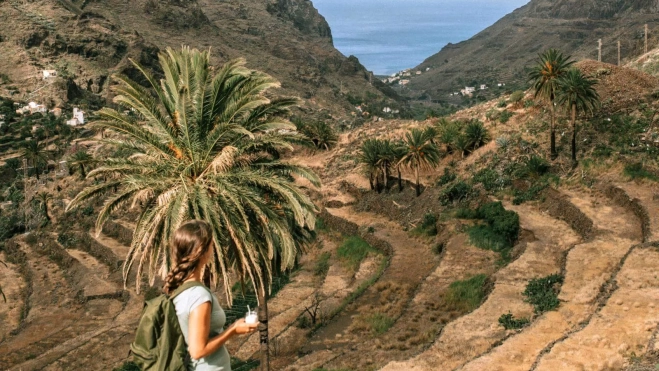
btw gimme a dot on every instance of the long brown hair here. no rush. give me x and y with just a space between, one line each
190 243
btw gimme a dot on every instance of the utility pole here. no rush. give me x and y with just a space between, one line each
646 38
618 52
599 50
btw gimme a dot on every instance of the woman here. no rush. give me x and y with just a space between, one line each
199 313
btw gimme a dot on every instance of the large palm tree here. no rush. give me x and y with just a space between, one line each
369 157
399 151
81 159
36 154
207 146
421 153
386 159
551 65
578 95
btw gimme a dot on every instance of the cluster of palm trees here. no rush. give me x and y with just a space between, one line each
556 79
207 145
419 149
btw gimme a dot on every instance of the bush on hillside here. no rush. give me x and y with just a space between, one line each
516 98
505 116
509 322
468 294
457 192
542 293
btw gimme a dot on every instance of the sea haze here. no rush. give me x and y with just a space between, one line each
391 35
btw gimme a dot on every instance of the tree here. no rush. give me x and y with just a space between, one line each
207 146
476 135
386 158
369 157
35 154
578 95
319 133
447 134
421 153
43 198
551 65
81 159
399 150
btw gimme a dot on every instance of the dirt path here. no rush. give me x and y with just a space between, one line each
12 284
475 333
411 262
97 282
119 249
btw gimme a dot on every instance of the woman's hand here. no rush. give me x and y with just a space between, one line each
240 327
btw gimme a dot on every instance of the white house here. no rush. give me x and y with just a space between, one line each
47 74
78 118
468 90
427 69
404 82
32 107
386 110
483 86
418 72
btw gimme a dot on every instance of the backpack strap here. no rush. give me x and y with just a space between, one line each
187 285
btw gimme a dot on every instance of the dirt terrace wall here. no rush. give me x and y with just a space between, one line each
352 229
118 232
560 208
16 256
621 198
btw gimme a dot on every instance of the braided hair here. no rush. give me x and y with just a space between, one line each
189 245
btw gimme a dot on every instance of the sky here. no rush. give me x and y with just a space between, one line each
390 35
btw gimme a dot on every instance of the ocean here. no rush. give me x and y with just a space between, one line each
391 35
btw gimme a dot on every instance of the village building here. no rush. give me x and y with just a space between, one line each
427 69
32 107
468 90
418 72
78 118
483 86
47 74
386 110
404 82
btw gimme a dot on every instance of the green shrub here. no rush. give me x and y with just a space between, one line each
639 171
476 135
484 237
529 103
353 250
457 192
516 97
504 222
509 322
505 116
67 240
466 213
380 323
490 179
532 192
542 293
446 178
322 265
537 166
428 226
467 295
502 103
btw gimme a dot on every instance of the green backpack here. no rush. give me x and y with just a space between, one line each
159 344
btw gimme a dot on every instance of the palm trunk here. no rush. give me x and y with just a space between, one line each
418 187
45 211
574 134
370 181
82 171
400 180
552 138
263 330
386 178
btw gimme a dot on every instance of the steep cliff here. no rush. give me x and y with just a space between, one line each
501 52
87 41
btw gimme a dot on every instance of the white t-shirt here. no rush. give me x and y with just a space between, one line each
185 303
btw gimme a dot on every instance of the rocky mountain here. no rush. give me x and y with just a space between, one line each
86 41
500 53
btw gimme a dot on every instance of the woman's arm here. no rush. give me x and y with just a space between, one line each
199 325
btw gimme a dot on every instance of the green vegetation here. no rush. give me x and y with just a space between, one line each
505 116
467 295
353 250
379 157
421 152
542 293
638 170
229 138
509 322
447 177
322 265
550 67
127 366
428 226
577 94
320 133
380 323
516 98
500 230
455 193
